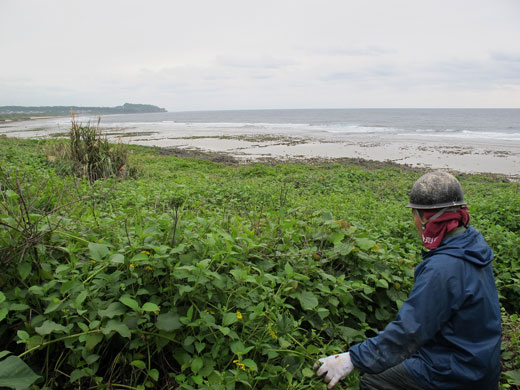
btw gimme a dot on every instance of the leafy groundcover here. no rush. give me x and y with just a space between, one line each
198 275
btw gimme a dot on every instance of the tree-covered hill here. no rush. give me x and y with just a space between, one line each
127 108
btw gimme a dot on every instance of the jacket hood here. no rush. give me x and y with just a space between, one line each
469 246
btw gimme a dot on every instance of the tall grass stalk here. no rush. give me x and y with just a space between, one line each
89 154
92 155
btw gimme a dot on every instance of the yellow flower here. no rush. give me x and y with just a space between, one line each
149 268
92 261
242 366
156 312
145 252
132 266
239 315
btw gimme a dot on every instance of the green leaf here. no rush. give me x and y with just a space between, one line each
53 306
139 257
49 327
365 244
308 373
62 268
224 329
168 322
250 364
131 303
117 258
313 350
114 309
4 353
348 334
34 341
24 269
76 375
3 313
98 251
81 297
149 306
229 318
308 300
238 348
326 215
116 326
382 283
336 238
344 248
154 374
92 340
199 346
289 270
11 195
185 289
65 287
284 343
23 335
196 364
16 374
2 297
189 314
139 364
19 307
514 375
92 358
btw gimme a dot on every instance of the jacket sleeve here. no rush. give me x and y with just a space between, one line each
433 299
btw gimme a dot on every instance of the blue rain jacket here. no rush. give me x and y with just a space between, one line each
447 333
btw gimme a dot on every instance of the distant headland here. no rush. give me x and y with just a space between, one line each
8 113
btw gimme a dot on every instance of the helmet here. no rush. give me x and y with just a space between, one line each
436 190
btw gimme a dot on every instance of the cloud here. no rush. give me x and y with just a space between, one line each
477 72
367 74
505 57
360 51
261 62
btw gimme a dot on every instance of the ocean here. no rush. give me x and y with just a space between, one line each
470 124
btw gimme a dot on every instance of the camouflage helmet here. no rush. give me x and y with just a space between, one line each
436 190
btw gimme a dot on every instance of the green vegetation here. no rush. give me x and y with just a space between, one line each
87 153
198 275
23 112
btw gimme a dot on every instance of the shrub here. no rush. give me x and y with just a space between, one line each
89 154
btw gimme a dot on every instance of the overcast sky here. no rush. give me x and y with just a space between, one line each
241 54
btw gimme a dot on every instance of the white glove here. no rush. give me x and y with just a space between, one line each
336 367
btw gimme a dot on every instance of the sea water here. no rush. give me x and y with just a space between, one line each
470 124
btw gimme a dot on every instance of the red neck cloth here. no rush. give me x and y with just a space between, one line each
434 232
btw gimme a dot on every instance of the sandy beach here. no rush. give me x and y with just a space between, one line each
477 156
248 144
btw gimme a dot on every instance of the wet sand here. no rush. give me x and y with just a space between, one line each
477 156
431 152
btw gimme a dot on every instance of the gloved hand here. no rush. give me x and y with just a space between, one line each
336 367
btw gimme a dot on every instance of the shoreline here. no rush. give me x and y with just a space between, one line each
226 158
245 145
473 157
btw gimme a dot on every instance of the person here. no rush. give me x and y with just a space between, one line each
447 333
